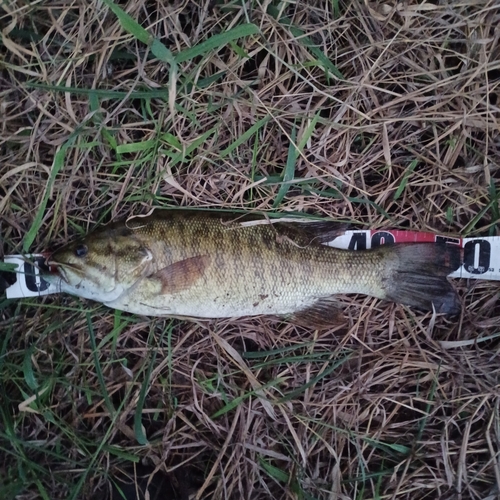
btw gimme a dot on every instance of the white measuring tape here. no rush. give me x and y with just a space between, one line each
28 282
481 257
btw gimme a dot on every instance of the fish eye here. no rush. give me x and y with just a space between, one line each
81 250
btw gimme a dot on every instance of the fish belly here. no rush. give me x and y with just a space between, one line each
216 301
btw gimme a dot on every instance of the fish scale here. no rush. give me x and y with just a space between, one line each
212 265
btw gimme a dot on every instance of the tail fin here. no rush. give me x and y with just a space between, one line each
417 276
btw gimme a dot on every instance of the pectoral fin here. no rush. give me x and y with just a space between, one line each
181 275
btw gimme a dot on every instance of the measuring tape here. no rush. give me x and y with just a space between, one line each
481 258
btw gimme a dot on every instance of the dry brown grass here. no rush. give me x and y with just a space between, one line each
396 404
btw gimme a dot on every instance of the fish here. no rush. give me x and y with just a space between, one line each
206 264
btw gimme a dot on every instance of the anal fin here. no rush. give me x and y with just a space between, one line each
324 313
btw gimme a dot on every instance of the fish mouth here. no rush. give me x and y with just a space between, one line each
61 270
56 269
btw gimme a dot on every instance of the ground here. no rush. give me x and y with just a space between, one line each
379 114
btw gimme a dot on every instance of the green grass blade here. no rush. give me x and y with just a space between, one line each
129 24
8 267
273 471
495 211
430 398
171 140
29 376
273 352
162 53
138 427
97 364
473 222
404 181
335 9
449 214
308 132
330 193
59 161
242 53
95 107
388 447
305 358
236 401
217 41
117 452
134 147
327 65
183 155
289 172
293 394
104 94
231 405
244 137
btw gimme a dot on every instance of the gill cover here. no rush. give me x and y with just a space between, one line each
102 265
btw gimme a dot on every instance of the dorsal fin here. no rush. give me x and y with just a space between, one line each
300 230
311 232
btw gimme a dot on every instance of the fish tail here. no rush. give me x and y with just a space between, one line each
417 276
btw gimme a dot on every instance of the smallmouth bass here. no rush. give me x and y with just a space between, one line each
202 264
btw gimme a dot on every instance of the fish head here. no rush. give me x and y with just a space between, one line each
101 266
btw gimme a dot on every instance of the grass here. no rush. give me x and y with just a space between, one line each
351 110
